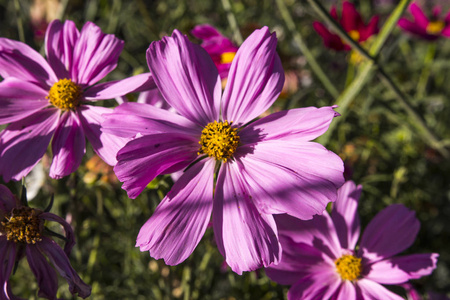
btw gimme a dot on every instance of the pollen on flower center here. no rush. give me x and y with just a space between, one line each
227 57
219 140
65 94
354 34
348 267
435 27
22 225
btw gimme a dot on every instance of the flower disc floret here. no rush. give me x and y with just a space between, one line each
348 267
219 140
65 94
435 27
227 57
22 225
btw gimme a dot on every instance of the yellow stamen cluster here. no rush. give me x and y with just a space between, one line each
219 140
349 267
22 225
435 27
354 34
65 94
227 57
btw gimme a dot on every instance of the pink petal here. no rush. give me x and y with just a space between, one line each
318 232
371 29
370 290
346 291
321 284
400 269
60 40
23 143
68 146
180 220
294 177
414 28
304 124
70 237
130 118
44 273
154 98
22 62
205 32
186 77
60 261
330 40
19 99
7 200
113 89
351 19
419 17
345 215
144 158
391 231
104 144
95 54
255 79
246 237
8 258
446 31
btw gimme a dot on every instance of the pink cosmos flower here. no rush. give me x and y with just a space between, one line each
219 47
22 234
352 23
46 100
321 261
429 29
262 168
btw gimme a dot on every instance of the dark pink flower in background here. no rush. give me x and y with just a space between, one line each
321 261
219 47
427 28
22 234
352 23
48 100
265 167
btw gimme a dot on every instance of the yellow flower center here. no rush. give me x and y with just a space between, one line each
65 94
22 225
349 267
227 57
435 27
219 140
354 34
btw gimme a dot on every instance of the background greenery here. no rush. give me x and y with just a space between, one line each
375 137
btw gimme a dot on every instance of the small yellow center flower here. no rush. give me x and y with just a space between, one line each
354 34
227 57
219 140
65 94
435 27
22 225
349 267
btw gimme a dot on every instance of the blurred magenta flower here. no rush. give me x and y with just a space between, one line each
263 168
220 48
321 261
22 234
429 29
46 100
352 23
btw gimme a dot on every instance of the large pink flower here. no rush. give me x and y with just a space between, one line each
22 234
352 23
45 100
321 261
426 28
262 168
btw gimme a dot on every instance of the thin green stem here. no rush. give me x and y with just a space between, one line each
426 71
19 21
237 36
329 86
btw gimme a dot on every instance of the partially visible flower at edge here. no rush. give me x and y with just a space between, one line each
426 28
22 234
412 294
221 49
321 261
352 23
263 168
46 100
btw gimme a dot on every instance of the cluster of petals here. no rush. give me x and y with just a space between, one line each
221 49
37 254
352 23
311 249
84 58
274 169
424 27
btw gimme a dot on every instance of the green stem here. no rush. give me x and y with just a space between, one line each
332 90
19 21
426 71
233 23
